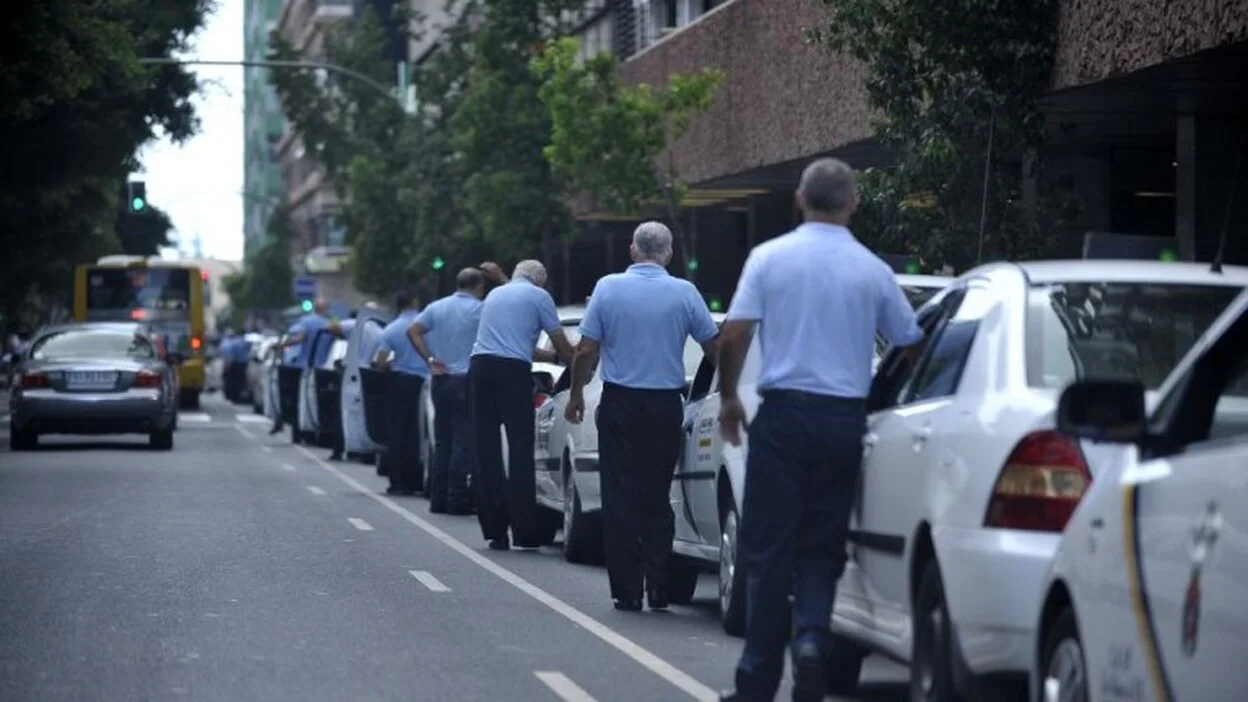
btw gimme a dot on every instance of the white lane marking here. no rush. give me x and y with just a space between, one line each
316 490
426 578
561 685
668 672
251 418
194 417
360 524
288 468
244 432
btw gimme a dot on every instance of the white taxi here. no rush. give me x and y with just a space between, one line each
1147 596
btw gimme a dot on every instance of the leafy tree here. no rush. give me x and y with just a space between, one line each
606 138
77 107
143 234
955 85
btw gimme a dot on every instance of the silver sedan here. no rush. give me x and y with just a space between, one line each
94 378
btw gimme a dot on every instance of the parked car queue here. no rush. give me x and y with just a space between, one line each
974 469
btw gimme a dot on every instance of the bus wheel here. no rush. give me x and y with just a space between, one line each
189 400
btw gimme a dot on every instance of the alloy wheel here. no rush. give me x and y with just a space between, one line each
1065 679
727 560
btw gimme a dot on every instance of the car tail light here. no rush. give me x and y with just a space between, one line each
539 399
146 379
35 380
196 342
1041 484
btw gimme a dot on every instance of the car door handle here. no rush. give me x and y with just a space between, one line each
1097 523
1206 535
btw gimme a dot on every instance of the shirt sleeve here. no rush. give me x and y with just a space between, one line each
547 315
425 319
701 325
897 321
591 323
747 302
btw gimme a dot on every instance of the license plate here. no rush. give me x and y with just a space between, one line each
82 380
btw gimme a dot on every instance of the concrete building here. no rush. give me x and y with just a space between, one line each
263 126
1148 112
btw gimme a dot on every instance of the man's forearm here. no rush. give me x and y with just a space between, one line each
417 338
731 357
545 356
581 363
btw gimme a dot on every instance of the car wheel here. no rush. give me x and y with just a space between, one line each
1063 664
582 533
682 580
731 578
23 440
162 439
931 664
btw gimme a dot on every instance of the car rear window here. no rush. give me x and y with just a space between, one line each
1116 330
91 343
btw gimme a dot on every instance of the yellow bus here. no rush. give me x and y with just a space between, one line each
170 296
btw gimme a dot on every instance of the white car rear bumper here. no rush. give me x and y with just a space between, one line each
993 581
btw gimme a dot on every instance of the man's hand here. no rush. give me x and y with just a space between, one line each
439 367
575 411
493 272
732 419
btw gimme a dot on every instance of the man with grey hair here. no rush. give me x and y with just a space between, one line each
444 334
500 379
640 321
818 298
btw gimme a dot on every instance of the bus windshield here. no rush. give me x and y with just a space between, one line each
138 288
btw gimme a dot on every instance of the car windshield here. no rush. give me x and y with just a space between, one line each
91 343
1115 330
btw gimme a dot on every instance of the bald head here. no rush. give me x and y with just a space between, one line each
321 306
828 191
470 280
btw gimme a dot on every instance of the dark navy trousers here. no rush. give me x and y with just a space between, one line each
454 453
805 455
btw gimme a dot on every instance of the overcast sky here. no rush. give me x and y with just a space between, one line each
200 183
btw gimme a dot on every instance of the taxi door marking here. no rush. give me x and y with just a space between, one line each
1138 589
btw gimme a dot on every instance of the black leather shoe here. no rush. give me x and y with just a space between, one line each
809 683
400 492
628 605
437 508
657 599
501 544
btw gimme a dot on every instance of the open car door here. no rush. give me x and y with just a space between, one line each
307 388
363 389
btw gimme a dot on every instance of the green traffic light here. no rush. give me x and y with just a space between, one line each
306 305
1168 256
692 265
912 268
437 263
716 305
137 204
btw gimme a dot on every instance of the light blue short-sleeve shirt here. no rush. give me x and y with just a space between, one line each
642 319
820 297
451 325
394 338
513 316
309 325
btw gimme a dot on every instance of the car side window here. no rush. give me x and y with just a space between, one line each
896 369
702 380
940 370
1211 402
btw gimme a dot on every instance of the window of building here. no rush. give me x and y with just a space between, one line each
597 38
658 18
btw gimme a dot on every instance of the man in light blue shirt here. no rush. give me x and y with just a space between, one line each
818 298
444 334
304 339
640 320
500 377
402 462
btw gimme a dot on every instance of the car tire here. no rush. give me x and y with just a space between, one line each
582 533
731 578
162 439
931 664
682 580
1063 659
23 440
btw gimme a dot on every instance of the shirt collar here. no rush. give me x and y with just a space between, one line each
647 269
461 293
522 278
823 228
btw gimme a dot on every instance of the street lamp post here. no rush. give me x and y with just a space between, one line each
297 65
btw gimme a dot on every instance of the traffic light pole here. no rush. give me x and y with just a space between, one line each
296 65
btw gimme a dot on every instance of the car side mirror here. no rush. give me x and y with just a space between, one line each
1103 410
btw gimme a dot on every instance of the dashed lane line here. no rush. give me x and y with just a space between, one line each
426 578
643 657
194 417
251 418
316 490
360 524
563 686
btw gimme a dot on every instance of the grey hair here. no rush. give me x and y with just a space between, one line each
531 269
828 185
653 240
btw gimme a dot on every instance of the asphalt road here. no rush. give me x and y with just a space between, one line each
239 567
